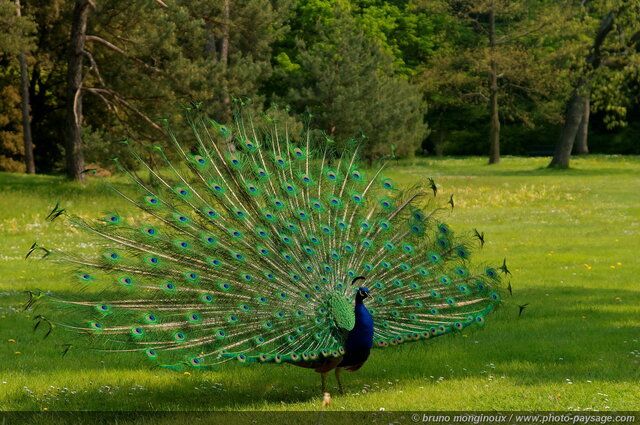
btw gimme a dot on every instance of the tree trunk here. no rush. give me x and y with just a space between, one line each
576 106
73 128
582 146
26 119
494 130
224 56
573 116
438 147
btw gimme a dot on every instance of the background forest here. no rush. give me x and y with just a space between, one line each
419 77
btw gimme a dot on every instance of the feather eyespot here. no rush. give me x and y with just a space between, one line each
387 184
102 308
211 213
112 219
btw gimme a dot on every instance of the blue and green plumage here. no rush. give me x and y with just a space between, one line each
250 255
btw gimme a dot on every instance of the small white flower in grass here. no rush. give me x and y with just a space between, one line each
382 409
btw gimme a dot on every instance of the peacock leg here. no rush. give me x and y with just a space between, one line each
338 375
323 376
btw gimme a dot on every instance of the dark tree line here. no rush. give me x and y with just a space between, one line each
415 76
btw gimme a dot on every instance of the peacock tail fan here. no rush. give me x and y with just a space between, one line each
245 246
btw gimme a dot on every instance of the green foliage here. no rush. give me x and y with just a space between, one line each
615 82
347 81
11 147
369 63
16 37
17 32
530 84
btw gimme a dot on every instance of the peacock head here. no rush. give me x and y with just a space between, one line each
362 293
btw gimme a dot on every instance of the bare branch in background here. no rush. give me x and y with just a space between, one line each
124 103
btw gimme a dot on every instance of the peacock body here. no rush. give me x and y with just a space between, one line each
255 246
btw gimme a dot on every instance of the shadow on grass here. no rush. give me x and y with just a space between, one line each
569 334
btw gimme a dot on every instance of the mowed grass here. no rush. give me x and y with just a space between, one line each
571 239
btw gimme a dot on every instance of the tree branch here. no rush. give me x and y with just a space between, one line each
506 39
117 49
105 43
123 102
94 66
161 3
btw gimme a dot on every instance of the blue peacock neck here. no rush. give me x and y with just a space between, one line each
360 338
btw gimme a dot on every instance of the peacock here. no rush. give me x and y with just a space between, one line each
254 243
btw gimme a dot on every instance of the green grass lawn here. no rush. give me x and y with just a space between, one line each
572 239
